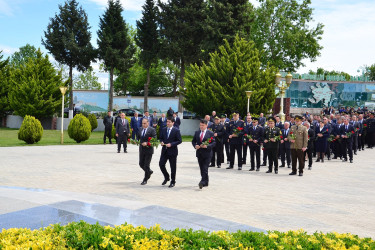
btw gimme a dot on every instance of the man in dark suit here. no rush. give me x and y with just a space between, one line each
162 123
108 121
145 151
262 120
285 146
361 136
177 121
148 117
247 125
337 149
272 144
170 137
203 152
346 133
225 138
135 124
310 143
256 133
356 127
219 132
154 120
236 132
122 132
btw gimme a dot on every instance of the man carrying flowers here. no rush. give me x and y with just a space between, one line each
146 149
236 132
271 143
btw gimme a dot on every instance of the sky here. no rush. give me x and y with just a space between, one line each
348 33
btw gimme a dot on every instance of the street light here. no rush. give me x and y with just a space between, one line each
283 85
248 94
63 90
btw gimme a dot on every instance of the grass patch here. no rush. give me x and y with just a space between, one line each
9 138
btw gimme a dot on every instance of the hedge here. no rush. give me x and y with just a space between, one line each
81 235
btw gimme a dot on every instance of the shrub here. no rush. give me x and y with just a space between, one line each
79 128
93 121
31 130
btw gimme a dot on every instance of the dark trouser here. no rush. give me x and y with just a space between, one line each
371 139
309 153
337 148
135 135
285 153
233 149
361 142
244 152
273 158
355 143
297 154
265 156
227 152
255 150
144 162
347 148
172 162
218 151
203 165
328 150
108 133
122 139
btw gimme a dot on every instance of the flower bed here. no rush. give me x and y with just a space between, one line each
83 236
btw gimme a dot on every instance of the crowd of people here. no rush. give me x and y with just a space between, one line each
330 135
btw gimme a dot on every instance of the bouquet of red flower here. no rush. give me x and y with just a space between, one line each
153 142
349 134
246 136
331 138
237 130
365 125
206 142
292 135
278 138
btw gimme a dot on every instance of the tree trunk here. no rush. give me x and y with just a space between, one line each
71 93
145 107
182 86
175 84
110 100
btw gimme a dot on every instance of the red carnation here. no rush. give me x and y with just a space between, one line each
352 132
149 139
244 144
365 125
327 129
291 133
262 148
239 128
281 137
148 144
245 135
129 140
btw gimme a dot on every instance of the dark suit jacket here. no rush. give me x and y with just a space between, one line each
135 125
285 144
174 139
122 129
256 135
220 130
150 132
310 143
343 129
162 124
280 125
232 127
203 152
177 122
262 121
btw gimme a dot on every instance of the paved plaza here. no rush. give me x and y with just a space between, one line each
40 185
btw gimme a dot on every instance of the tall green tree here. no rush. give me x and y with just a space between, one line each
35 88
181 25
23 55
115 46
370 72
4 86
321 71
225 20
283 32
148 41
68 39
221 84
87 80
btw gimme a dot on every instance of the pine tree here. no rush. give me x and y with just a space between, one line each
181 26
225 20
115 47
4 86
35 88
221 84
68 39
23 55
148 41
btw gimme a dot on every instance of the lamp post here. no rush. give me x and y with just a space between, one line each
248 94
283 85
63 90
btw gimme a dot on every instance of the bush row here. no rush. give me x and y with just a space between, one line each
84 236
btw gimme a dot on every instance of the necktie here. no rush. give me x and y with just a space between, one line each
255 128
123 122
169 130
144 131
202 133
346 127
136 118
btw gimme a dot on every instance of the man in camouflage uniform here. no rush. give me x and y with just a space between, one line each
298 136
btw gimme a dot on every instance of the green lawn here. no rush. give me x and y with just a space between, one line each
9 138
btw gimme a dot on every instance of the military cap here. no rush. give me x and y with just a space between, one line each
235 112
271 119
223 116
298 118
216 117
255 118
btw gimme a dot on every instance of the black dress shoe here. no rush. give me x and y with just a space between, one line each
257 169
300 174
200 185
165 181
276 172
334 158
289 166
218 166
309 168
118 151
282 166
269 171
264 164
230 167
171 185
344 160
211 166
125 151
293 173
351 161
239 168
251 169
355 153
144 182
